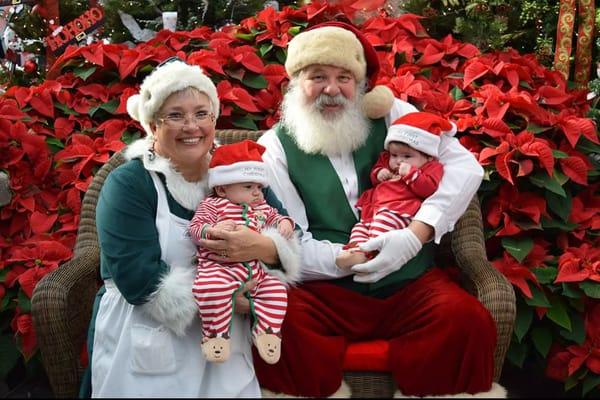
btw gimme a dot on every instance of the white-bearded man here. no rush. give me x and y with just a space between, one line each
441 338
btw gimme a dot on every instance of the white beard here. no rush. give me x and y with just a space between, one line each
341 133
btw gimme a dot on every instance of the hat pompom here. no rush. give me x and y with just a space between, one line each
378 102
133 106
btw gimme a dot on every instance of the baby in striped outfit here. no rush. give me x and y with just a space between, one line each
237 175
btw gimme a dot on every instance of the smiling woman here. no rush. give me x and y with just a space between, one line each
145 334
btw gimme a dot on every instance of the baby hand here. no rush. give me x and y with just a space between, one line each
403 169
226 225
286 229
384 174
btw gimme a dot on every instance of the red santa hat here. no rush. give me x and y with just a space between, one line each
421 131
342 45
237 163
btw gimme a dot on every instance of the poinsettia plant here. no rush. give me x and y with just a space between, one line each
524 124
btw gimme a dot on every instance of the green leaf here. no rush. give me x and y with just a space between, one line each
536 128
245 36
541 179
84 73
245 123
518 248
558 313
109 106
130 137
517 353
587 146
254 81
560 205
294 30
591 289
9 355
265 48
456 93
556 224
575 379
54 144
523 320
65 109
24 302
538 298
590 382
570 290
545 275
280 55
577 332
3 273
559 154
542 340
525 85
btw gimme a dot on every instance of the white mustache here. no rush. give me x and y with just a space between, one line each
326 100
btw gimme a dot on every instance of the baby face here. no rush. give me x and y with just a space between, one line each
246 192
402 153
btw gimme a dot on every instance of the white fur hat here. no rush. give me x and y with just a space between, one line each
421 131
344 46
161 83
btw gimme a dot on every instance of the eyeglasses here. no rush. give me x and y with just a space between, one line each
178 120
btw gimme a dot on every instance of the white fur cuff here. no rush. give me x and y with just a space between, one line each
172 303
288 251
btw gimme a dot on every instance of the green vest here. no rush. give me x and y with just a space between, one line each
329 215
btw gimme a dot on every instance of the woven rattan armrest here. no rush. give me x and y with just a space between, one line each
483 280
61 309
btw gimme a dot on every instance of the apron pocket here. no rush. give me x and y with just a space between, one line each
152 350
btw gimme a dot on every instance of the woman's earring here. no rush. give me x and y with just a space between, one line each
151 152
213 148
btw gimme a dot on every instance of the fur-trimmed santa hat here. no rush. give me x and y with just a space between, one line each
342 45
421 131
165 80
237 163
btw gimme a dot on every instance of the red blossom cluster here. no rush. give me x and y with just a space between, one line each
525 126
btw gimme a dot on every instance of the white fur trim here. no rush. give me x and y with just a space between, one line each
497 391
164 81
330 45
416 138
289 256
343 392
188 194
378 102
172 303
243 171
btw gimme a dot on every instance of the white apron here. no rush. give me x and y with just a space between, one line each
135 356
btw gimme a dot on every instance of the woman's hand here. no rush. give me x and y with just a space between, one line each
241 244
241 303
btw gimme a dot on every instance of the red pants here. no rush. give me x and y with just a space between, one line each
442 339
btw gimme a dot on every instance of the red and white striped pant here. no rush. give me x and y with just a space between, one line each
383 221
215 285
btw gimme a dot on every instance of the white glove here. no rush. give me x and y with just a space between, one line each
396 248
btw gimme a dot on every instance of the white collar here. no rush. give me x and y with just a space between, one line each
187 194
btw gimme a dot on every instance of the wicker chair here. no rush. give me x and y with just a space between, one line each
62 300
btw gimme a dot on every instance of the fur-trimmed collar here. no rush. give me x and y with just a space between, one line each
187 194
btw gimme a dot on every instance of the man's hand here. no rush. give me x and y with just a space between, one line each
286 229
396 248
241 303
384 174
